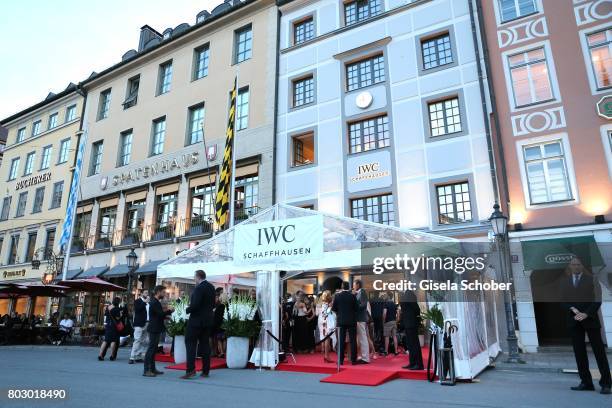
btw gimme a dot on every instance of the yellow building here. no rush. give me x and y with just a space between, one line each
35 177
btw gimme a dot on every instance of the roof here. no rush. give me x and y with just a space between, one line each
149 268
93 271
212 18
51 97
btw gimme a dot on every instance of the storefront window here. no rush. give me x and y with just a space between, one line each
40 307
21 305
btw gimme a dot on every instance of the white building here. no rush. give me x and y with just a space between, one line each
380 114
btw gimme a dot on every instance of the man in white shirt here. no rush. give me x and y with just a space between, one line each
141 320
66 325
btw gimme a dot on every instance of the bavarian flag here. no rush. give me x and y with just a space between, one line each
222 202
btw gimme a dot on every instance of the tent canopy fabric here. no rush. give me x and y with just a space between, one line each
343 239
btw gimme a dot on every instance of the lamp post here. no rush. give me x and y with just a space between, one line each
132 262
499 224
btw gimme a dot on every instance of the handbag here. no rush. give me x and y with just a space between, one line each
119 326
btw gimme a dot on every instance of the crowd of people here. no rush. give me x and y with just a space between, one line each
19 328
376 325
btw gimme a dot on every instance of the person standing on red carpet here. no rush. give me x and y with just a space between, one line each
200 324
345 306
157 315
410 315
362 321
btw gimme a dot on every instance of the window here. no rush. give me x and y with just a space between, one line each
600 50
36 128
303 149
125 148
303 30
166 209
12 258
454 203
108 220
243 46
21 204
131 97
242 109
63 152
135 216
31 248
202 204
196 124
14 168
70 113
547 176
159 136
52 121
81 230
165 78
46 157
513 9
104 104
200 66
96 157
437 51
368 134
530 80
359 10
246 194
444 117
39 197
29 164
56 198
49 242
20 135
303 91
6 208
375 209
365 73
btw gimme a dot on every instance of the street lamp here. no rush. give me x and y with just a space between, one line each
132 262
499 224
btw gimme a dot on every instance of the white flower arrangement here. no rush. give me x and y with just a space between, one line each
240 307
178 319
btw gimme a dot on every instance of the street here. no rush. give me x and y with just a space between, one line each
90 383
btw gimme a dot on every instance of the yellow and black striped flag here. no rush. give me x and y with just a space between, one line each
222 202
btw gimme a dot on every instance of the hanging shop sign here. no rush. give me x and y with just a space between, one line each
161 167
32 181
282 241
368 171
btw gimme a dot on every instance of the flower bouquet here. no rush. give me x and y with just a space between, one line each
239 325
177 326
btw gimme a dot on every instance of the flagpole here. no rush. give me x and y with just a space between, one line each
234 154
208 170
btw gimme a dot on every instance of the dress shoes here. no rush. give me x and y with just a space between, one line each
413 367
188 375
204 375
131 361
149 374
605 390
583 387
157 372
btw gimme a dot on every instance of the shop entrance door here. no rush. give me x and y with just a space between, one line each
549 314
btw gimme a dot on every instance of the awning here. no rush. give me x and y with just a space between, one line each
95 271
555 253
149 267
70 274
117 271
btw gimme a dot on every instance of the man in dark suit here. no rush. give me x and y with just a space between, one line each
141 319
157 315
200 324
345 306
582 300
411 320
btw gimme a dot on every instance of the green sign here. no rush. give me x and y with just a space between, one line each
604 107
557 252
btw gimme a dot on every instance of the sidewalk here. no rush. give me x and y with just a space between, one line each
546 361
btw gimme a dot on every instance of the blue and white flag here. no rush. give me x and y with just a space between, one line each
74 194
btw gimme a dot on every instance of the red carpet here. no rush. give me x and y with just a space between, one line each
164 358
379 370
214 364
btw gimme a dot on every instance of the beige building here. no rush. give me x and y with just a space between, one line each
36 175
155 127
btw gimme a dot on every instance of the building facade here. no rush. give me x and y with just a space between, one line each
380 114
36 175
550 64
155 126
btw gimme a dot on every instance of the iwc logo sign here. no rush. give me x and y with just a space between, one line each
555 259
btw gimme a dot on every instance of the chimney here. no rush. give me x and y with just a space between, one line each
147 33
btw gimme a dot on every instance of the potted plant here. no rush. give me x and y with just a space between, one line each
434 315
239 326
177 326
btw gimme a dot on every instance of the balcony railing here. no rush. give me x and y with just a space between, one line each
241 214
160 232
130 236
195 226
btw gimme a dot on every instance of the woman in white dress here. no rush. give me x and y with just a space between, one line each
327 324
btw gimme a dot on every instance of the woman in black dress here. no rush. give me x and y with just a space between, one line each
112 316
